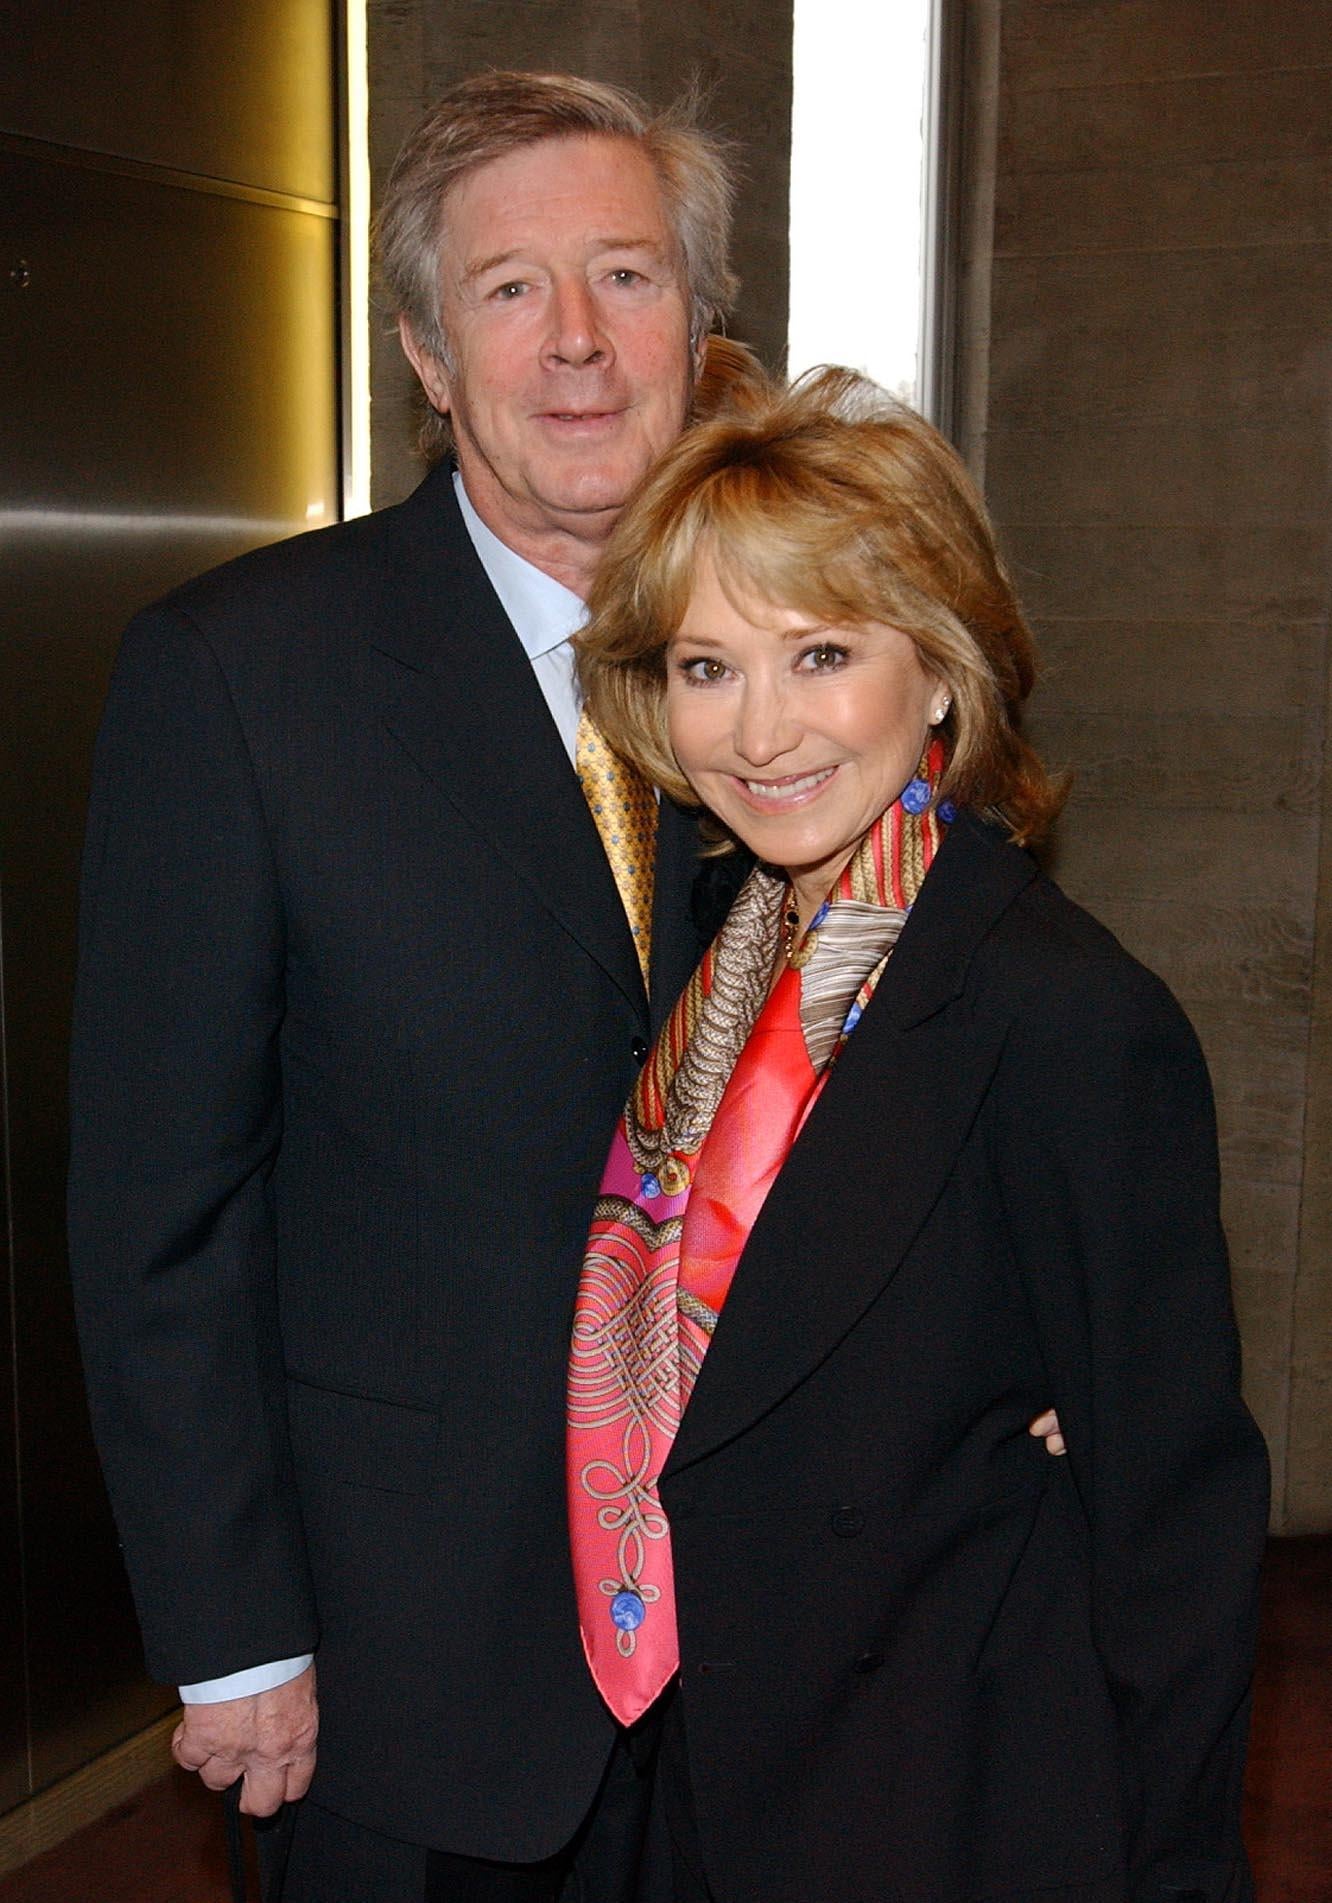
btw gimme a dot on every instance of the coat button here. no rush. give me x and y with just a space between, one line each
639 1049
867 1662
846 1522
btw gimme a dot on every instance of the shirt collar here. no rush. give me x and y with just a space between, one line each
543 611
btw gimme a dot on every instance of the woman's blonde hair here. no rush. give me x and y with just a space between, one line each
834 500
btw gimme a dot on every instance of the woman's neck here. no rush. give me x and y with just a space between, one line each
806 891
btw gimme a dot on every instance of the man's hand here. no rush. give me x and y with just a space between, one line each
268 1739
1046 1427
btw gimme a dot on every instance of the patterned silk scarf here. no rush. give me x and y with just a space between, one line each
723 1096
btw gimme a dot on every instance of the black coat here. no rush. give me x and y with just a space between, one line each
923 1661
358 1007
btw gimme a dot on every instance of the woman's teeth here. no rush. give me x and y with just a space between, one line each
788 789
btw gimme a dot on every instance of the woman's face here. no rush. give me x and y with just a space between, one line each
796 735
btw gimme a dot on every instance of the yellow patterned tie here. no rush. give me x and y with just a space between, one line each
625 810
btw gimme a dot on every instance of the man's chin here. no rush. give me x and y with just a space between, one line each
590 484
592 501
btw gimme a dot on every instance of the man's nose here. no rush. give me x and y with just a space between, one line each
766 728
575 335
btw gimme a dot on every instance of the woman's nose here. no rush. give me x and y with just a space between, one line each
765 729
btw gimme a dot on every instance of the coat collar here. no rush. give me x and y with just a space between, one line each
875 1154
461 698
980 875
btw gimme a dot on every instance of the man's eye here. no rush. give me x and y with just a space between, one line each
626 275
505 293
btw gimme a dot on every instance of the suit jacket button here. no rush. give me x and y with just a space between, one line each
867 1662
639 1049
846 1522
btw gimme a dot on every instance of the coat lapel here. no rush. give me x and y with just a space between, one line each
461 698
874 1156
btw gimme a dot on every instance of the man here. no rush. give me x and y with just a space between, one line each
359 1002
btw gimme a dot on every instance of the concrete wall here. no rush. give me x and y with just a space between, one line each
740 53
1146 356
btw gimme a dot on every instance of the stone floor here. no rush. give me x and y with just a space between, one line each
166 1846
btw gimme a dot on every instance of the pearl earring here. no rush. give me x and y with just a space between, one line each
942 709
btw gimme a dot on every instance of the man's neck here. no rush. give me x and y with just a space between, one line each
568 550
536 602
565 557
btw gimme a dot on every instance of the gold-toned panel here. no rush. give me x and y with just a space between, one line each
167 398
242 91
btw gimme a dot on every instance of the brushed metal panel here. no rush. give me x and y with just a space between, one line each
13 1690
242 91
167 398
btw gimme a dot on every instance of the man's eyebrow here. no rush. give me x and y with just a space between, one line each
481 267
654 245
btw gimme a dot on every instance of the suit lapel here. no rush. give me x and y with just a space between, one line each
874 1156
461 697
676 946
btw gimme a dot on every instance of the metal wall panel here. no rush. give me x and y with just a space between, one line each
238 91
168 397
13 1691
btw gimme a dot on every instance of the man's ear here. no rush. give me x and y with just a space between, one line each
426 365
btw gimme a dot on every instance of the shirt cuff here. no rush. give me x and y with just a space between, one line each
258 1678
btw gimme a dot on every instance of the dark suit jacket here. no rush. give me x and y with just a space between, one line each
357 1009
923 1661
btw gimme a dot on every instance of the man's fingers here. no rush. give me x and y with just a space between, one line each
299 1776
219 1774
270 1785
191 1754
1046 1427
265 1790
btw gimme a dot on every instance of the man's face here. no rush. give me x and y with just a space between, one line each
563 301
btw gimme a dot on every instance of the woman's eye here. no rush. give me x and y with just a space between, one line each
703 667
823 657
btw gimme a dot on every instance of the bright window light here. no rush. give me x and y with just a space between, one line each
857 176
356 272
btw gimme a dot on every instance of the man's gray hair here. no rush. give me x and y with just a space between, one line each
492 114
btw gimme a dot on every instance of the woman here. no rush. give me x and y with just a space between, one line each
875 1201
